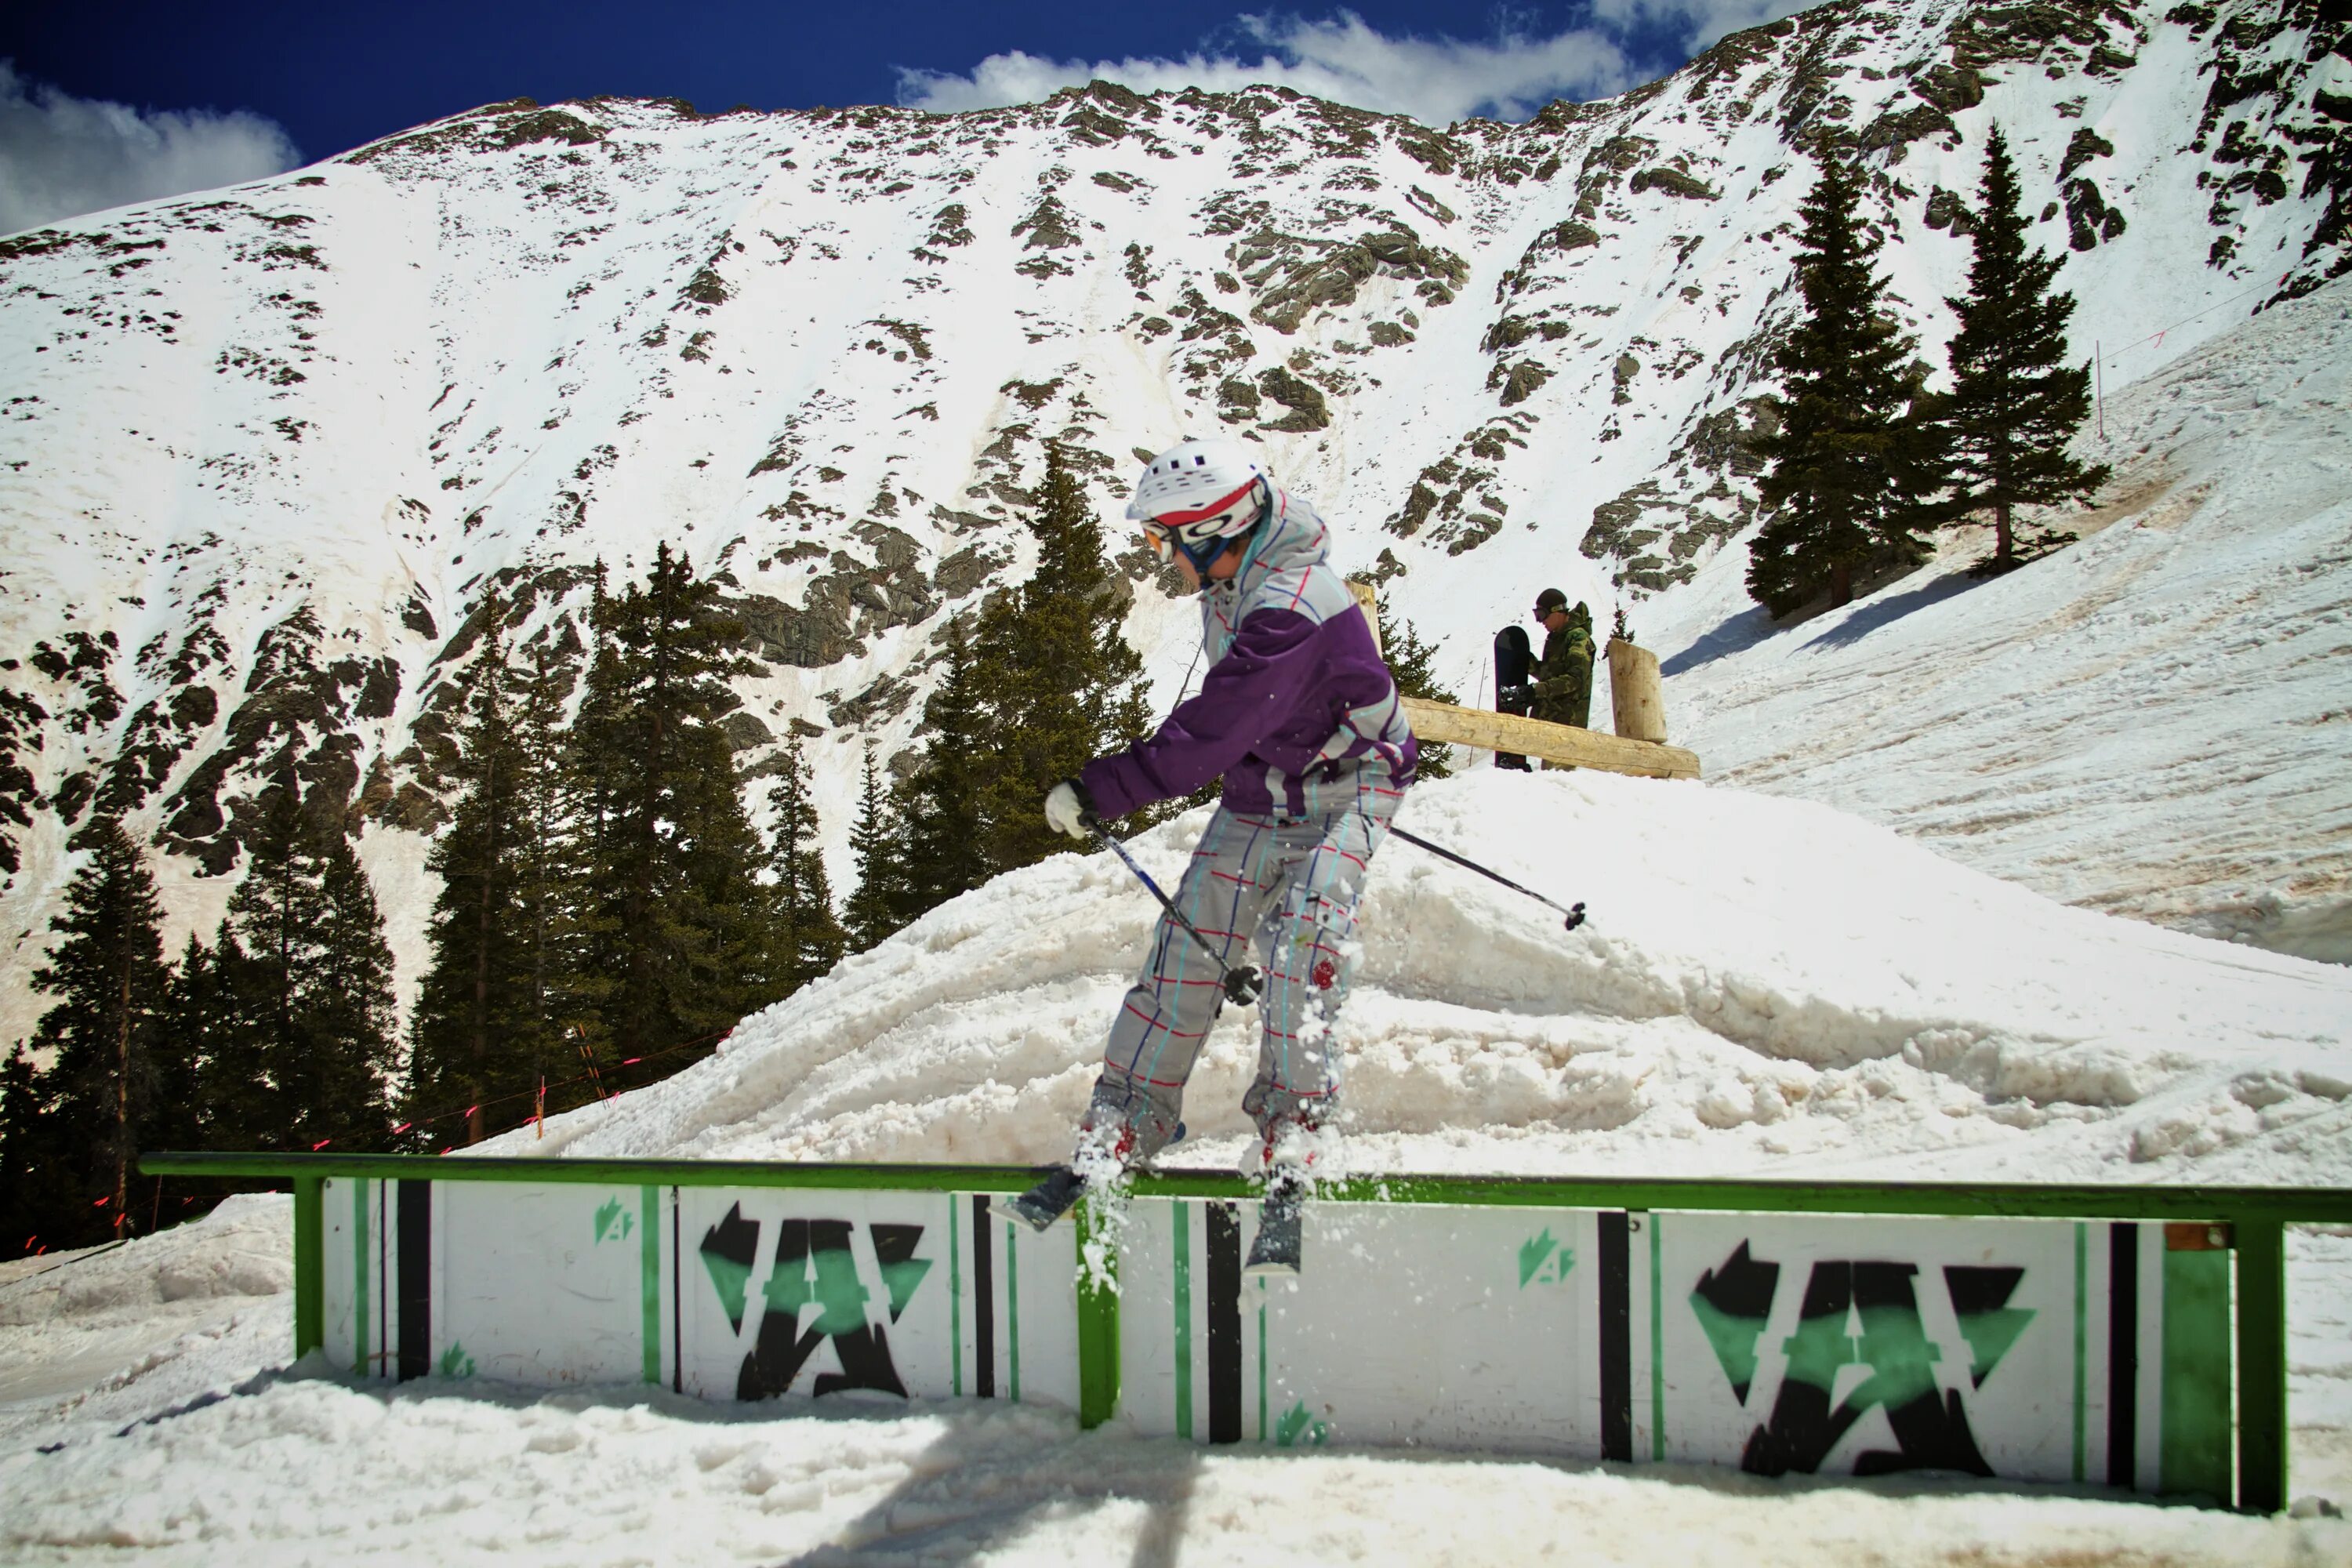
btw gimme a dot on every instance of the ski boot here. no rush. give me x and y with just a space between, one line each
1274 1254
1043 1204
1289 1156
1063 1185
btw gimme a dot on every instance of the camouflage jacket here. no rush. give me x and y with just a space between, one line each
1563 676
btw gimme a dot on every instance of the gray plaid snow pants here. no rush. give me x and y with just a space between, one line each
1290 882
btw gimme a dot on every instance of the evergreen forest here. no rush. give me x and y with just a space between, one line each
608 908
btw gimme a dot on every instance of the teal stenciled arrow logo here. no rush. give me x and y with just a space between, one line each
1858 1313
1545 1260
813 1295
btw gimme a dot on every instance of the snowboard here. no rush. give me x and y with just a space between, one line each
1514 667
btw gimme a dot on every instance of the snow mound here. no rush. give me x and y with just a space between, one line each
1762 983
238 1249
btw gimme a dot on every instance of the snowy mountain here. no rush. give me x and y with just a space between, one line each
265 450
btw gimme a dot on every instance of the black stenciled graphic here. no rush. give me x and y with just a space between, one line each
1929 1423
813 1268
1732 1304
729 1250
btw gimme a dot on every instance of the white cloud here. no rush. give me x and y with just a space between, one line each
61 157
1435 80
1700 23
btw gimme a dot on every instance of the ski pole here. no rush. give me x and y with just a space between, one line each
1575 916
1242 984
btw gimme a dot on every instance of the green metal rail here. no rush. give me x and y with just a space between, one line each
2255 1219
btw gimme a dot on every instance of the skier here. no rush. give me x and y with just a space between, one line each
1300 716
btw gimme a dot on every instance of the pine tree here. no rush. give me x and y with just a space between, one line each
876 841
673 918
1852 458
475 1036
109 980
312 975
808 937
219 1004
561 995
1061 685
39 1210
1408 665
349 1007
940 804
192 1026
2014 403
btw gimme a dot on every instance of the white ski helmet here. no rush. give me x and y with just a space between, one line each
1198 494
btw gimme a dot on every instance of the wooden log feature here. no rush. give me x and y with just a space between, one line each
1368 601
1442 724
1636 692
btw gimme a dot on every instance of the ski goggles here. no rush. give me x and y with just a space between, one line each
1200 540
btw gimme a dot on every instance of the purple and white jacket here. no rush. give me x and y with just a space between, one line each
1294 684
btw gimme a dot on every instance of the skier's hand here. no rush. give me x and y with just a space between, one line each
1067 809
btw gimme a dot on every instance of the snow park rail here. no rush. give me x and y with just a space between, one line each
2074 1334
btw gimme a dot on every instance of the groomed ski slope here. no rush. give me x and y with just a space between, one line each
1764 987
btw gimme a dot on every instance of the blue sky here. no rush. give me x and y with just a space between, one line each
209 94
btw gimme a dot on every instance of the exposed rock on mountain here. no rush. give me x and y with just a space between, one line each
260 447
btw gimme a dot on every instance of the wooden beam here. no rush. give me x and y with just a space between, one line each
1441 723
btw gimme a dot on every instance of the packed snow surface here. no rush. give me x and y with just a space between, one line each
1764 985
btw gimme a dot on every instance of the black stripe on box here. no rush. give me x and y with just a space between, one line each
677 1299
984 1300
1616 1340
1225 1251
416 1280
2123 1353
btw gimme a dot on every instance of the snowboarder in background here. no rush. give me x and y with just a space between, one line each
1299 715
1563 683
1515 664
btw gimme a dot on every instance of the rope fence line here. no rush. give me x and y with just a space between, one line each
539 1090
2159 335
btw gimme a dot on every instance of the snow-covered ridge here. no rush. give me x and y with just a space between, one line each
264 451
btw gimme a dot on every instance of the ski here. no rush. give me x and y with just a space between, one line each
1043 1204
1274 1254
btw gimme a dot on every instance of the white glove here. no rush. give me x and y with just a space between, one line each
1065 812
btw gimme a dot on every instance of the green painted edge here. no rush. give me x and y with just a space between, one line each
649 1277
2262 1364
2082 1285
955 1296
310 1265
1657 1340
1098 1327
1012 1310
1182 1227
359 1324
1260 1361
2193 1434
2311 1206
